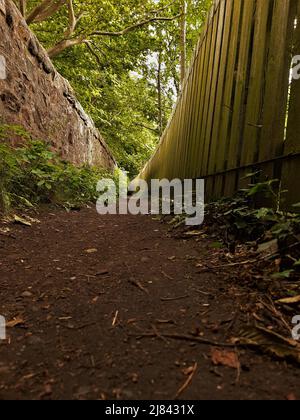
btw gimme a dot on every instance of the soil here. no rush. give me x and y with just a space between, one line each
83 289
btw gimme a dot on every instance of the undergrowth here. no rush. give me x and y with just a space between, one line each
267 229
31 175
240 220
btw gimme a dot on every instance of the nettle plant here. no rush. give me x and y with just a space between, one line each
32 174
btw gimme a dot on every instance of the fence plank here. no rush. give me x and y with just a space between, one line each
205 80
232 112
216 70
226 50
196 111
290 174
203 140
223 140
276 84
253 123
242 78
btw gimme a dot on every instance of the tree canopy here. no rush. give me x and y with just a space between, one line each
125 60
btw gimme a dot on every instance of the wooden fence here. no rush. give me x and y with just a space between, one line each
239 109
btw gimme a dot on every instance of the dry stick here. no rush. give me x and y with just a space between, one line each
167 276
203 293
158 334
174 298
187 382
138 285
80 327
186 338
275 312
136 282
238 376
235 264
115 319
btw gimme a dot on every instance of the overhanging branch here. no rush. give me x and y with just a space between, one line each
135 26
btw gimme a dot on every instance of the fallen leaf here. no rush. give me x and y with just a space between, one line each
91 251
269 248
14 322
21 221
95 300
289 301
225 358
291 397
4 230
192 233
270 342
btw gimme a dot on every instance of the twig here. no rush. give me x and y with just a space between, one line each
115 319
158 334
138 285
278 252
203 293
187 382
80 327
166 299
136 282
186 338
275 312
235 264
238 375
167 276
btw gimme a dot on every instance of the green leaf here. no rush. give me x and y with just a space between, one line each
297 263
283 275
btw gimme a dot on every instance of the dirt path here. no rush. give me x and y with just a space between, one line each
84 285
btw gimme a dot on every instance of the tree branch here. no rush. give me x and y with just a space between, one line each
67 43
64 44
135 26
88 44
44 10
72 19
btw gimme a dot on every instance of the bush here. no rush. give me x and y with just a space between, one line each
31 175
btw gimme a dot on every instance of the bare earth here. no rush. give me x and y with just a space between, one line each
83 290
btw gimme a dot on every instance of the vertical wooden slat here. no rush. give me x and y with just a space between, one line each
215 84
196 110
253 121
221 156
276 83
291 168
190 91
199 116
232 111
226 50
203 140
240 94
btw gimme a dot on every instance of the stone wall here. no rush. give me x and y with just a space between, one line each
33 95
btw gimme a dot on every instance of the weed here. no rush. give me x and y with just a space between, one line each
32 174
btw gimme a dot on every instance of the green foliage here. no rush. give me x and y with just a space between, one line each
31 175
116 78
238 220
